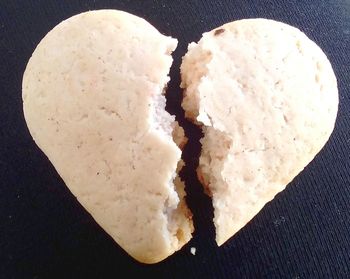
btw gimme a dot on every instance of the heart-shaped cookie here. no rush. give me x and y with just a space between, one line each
265 95
93 101
267 99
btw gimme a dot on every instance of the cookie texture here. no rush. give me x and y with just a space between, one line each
93 102
266 97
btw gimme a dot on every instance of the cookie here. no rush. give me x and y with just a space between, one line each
266 98
94 103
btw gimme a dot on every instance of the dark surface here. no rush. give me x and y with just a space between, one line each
45 233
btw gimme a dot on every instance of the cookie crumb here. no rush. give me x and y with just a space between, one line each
193 251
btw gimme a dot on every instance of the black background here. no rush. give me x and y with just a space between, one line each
44 232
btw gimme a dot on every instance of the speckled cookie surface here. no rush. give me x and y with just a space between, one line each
98 114
267 98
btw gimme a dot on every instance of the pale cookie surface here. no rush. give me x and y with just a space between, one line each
267 98
93 102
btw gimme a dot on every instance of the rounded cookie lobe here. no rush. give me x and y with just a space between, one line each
267 98
92 98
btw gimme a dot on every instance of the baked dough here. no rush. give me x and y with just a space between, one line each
266 97
93 101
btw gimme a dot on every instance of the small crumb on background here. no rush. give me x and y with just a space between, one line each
193 251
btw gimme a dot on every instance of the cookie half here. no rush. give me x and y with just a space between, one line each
266 98
94 103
